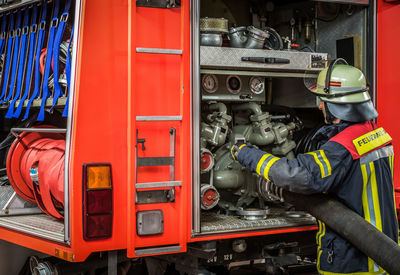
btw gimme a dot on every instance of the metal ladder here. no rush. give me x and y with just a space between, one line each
156 196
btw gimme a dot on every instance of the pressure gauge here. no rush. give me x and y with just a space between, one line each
257 85
234 84
210 83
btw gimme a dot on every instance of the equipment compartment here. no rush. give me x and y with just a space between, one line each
34 107
251 59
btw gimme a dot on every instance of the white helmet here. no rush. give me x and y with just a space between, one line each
344 90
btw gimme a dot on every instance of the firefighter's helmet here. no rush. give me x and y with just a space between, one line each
344 90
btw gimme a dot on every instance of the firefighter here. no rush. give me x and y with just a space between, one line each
354 163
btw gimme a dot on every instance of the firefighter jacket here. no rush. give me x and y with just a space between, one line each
354 163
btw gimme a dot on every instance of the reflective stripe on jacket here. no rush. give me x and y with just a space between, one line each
356 165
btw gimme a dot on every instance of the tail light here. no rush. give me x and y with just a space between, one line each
97 201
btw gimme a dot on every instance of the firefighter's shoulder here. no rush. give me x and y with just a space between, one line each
362 138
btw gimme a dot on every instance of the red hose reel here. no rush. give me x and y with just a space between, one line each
41 153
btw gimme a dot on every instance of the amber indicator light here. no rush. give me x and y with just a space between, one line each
98 177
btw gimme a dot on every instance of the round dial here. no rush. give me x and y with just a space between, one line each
210 83
257 85
234 84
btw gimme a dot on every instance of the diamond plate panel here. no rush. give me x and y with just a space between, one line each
230 58
40 222
38 225
5 194
216 223
328 32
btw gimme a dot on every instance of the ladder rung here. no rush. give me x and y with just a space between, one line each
159 51
146 185
158 118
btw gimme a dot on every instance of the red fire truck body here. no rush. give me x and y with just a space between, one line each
132 98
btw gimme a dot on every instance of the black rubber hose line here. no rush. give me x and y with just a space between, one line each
348 224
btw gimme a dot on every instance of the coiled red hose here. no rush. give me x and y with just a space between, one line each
41 153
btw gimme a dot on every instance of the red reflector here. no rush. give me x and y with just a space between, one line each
98 226
99 201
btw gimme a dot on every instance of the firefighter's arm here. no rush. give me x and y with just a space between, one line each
313 172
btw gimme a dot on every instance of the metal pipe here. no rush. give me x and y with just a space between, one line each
269 91
220 107
251 106
20 212
280 117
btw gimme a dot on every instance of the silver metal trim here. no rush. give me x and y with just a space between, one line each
11 199
39 130
159 118
351 2
20 212
254 73
255 212
157 250
159 51
254 229
364 41
67 207
172 141
14 131
18 4
224 58
30 230
196 100
146 185
374 57
195 35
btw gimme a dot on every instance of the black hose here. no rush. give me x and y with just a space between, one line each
348 224
305 143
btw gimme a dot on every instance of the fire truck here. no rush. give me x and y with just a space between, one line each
117 118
